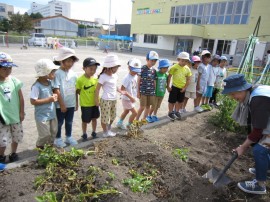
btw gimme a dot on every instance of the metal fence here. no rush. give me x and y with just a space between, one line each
10 40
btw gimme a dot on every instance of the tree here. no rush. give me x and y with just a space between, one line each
36 15
4 25
21 23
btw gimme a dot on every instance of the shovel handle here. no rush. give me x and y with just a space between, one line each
227 166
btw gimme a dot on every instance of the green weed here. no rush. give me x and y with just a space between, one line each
181 153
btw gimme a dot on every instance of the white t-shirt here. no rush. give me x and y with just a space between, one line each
193 80
130 83
222 74
109 86
211 75
202 69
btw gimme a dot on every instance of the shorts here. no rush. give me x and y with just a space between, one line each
147 100
10 132
108 111
47 131
158 101
209 91
89 113
127 104
191 95
202 89
176 95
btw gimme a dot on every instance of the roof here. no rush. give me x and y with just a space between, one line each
56 16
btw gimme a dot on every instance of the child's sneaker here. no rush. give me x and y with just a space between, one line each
204 107
84 137
171 116
253 171
105 134
149 119
2 167
154 118
71 141
2 159
181 111
178 115
94 135
13 157
121 125
252 187
198 109
111 134
59 142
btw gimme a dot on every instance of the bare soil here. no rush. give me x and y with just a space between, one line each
176 180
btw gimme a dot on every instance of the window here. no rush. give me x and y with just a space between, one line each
2 9
149 38
226 12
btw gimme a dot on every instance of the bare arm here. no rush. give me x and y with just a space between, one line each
138 87
52 98
21 100
97 94
198 82
124 92
187 83
169 83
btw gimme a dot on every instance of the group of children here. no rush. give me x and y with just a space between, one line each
57 92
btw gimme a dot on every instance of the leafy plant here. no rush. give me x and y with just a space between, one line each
111 175
181 153
141 182
64 181
222 118
115 162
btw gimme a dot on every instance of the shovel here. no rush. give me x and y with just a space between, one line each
218 178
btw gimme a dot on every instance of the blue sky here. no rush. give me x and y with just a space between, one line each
86 9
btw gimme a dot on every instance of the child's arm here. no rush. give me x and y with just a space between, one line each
60 100
124 92
187 83
21 100
52 98
169 89
138 87
198 82
97 94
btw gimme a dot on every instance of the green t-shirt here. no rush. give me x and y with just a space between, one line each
87 87
161 84
10 101
179 75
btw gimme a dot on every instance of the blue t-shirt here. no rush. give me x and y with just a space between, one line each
43 112
66 82
147 84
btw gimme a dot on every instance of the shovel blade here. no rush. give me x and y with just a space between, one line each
212 176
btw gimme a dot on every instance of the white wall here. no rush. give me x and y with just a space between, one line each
259 50
164 42
197 42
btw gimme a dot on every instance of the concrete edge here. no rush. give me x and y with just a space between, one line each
163 120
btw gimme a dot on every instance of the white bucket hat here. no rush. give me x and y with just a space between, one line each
44 67
65 53
111 61
183 55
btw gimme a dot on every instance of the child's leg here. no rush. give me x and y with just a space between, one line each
94 125
105 114
124 114
69 120
14 146
2 151
60 118
152 109
185 102
140 110
171 106
132 116
112 113
84 127
206 100
143 101
198 99
203 100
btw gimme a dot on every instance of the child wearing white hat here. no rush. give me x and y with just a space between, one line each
129 89
107 80
64 85
43 98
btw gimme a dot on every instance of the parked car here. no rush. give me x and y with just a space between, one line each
37 39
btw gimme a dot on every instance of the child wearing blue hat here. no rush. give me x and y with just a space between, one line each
11 109
161 86
253 110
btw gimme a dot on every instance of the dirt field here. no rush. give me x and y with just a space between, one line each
26 59
176 180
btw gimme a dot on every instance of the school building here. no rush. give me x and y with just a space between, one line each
222 27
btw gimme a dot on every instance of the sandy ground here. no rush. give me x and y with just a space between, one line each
26 59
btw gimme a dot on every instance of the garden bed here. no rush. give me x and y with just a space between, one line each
165 164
